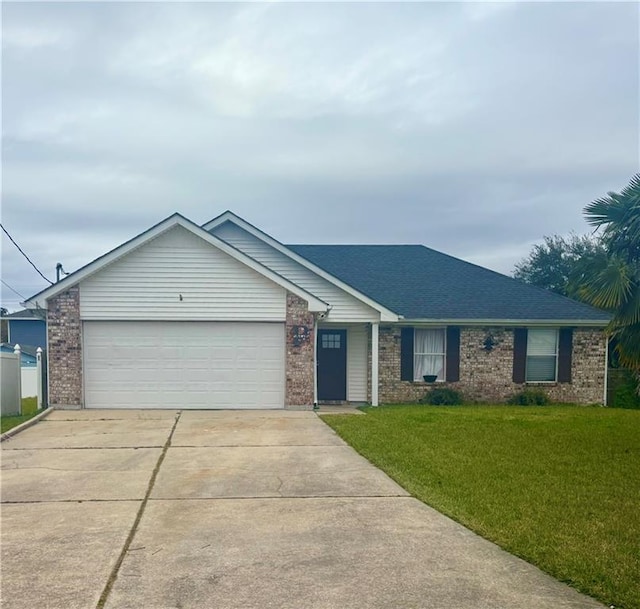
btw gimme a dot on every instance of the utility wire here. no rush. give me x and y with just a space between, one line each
4 283
27 257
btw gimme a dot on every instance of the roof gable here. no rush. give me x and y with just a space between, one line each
39 300
421 283
386 314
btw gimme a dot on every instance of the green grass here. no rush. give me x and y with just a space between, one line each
29 410
556 485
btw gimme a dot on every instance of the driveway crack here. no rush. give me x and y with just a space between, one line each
125 548
280 484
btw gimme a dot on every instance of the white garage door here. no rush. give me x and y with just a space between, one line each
183 364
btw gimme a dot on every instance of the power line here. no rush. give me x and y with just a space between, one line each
27 257
4 283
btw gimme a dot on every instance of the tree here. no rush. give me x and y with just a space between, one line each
4 328
553 264
612 282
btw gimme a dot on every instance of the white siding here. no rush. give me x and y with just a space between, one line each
357 364
148 283
345 307
158 364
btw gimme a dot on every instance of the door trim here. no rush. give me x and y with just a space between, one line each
341 395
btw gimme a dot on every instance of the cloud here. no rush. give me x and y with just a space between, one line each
474 128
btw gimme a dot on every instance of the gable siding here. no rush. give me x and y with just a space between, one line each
148 282
344 306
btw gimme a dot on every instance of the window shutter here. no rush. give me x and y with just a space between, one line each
519 354
453 353
406 354
565 347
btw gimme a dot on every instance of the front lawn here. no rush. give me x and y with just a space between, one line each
29 410
558 486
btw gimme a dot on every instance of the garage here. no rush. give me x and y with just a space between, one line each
183 364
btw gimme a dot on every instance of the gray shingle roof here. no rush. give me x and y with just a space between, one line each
420 283
25 314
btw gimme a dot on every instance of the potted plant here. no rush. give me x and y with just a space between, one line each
430 378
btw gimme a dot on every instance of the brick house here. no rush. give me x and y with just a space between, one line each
225 316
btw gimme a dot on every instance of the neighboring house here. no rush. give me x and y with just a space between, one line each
27 354
225 316
27 328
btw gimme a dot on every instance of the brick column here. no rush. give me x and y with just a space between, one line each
65 349
300 360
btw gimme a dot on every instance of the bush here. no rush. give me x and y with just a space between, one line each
530 397
443 396
626 391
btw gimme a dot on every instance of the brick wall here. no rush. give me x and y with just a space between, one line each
65 349
487 376
587 370
300 354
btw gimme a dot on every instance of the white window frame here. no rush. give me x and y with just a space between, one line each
555 374
443 354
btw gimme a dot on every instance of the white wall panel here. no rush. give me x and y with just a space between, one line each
148 282
357 364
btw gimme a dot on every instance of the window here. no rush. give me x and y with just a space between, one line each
428 353
423 351
542 355
331 341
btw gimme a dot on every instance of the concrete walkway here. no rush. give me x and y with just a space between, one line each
162 509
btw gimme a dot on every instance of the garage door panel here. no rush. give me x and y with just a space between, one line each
183 365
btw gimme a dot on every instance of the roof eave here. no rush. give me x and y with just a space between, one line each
591 323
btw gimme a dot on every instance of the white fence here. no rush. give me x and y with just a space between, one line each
10 403
20 381
29 378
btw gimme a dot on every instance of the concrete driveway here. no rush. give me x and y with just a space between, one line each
165 509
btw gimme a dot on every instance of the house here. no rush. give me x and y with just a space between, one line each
26 328
225 316
28 358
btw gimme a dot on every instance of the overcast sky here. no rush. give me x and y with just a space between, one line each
475 129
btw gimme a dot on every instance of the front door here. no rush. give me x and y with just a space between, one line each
332 364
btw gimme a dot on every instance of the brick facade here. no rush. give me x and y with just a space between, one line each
487 376
484 376
65 349
300 360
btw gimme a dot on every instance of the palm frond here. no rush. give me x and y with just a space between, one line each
606 210
628 313
616 284
633 188
618 214
609 287
628 346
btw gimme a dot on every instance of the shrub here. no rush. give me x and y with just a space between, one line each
530 397
443 396
626 391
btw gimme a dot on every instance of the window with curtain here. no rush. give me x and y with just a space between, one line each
542 354
428 353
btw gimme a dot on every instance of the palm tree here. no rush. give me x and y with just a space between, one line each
613 280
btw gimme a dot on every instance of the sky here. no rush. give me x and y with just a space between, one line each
473 128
